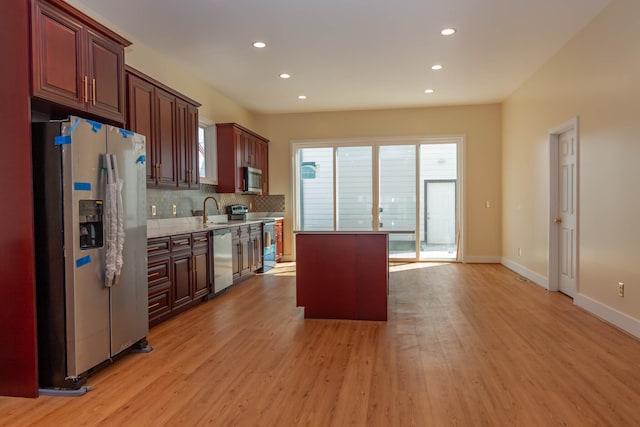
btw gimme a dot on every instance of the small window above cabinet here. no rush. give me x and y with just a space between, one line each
239 148
77 63
207 153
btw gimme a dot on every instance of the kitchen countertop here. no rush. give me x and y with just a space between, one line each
193 224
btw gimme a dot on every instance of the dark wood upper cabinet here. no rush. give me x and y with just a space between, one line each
76 62
141 116
239 147
165 144
105 76
187 144
193 148
169 121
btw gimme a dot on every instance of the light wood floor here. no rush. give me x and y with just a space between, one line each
464 345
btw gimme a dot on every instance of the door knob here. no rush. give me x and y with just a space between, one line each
557 220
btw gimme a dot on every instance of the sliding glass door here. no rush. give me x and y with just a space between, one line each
397 201
354 188
410 189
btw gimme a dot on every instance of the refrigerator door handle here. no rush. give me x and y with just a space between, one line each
119 218
114 213
110 223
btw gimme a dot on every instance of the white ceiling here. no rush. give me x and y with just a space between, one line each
354 54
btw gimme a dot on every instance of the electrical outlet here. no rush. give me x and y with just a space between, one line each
621 289
153 210
487 204
174 210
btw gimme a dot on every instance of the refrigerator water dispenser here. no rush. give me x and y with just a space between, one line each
91 229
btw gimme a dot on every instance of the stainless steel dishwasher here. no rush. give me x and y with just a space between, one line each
222 260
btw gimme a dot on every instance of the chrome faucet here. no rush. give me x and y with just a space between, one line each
204 208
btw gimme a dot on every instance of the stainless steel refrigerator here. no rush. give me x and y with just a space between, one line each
90 236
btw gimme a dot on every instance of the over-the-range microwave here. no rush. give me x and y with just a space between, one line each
252 180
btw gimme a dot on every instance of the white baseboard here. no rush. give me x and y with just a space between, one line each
604 312
525 272
608 314
482 259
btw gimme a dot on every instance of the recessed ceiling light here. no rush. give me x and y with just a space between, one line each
302 96
285 76
448 31
259 44
428 91
436 67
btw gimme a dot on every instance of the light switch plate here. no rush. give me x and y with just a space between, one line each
153 210
174 210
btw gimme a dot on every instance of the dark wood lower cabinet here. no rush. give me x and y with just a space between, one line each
181 268
159 303
178 274
255 246
159 279
236 256
246 250
201 265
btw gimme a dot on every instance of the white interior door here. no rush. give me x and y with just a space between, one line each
567 205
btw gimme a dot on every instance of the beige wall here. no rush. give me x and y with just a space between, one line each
216 107
481 126
596 77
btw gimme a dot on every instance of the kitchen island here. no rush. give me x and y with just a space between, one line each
342 275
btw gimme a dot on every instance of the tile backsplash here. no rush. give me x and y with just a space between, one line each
188 201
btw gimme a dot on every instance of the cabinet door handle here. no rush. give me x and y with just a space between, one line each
183 243
157 273
153 248
93 91
154 305
85 81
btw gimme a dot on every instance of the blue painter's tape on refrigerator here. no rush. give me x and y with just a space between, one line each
95 126
82 186
62 140
74 126
141 159
83 261
125 133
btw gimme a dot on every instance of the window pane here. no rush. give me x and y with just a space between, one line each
398 198
201 153
316 188
354 187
